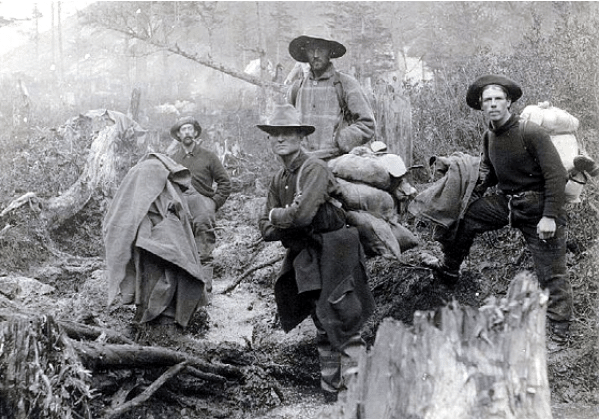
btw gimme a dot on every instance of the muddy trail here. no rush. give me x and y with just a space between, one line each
280 379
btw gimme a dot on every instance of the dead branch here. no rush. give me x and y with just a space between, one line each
28 198
250 271
147 393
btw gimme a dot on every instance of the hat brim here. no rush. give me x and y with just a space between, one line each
298 47
475 89
175 129
273 129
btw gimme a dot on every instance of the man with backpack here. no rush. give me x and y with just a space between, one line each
331 101
530 178
324 273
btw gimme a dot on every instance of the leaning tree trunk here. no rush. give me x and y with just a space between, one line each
109 156
459 362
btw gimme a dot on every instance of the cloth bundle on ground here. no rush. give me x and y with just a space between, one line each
151 255
370 182
445 202
562 127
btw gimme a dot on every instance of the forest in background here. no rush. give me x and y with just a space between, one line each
189 57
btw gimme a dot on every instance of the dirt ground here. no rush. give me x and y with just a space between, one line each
240 326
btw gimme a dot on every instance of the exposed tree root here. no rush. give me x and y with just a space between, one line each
253 269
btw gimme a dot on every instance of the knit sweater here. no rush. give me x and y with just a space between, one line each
318 102
514 169
206 169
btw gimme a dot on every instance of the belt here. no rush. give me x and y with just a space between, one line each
511 196
518 194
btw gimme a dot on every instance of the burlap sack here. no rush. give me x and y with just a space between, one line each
360 196
364 169
376 235
406 239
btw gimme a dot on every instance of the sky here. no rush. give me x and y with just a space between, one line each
19 32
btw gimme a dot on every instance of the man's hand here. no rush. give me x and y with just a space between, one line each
546 228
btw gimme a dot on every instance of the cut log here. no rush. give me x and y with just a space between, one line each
459 362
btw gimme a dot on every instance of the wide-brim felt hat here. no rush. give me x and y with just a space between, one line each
476 88
298 47
184 121
285 117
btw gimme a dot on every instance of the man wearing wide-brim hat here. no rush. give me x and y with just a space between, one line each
211 185
524 165
332 101
323 274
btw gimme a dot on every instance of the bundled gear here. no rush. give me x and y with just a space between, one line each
562 127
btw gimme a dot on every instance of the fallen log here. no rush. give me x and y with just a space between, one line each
80 331
458 362
96 356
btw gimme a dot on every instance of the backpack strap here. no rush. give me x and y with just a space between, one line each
525 143
298 191
294 89
338 85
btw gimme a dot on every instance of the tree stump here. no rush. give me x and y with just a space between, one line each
459 362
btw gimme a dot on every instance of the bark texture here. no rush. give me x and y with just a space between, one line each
459 362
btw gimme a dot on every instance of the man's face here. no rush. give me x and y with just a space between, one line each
319 57
495 104
187 134
285 142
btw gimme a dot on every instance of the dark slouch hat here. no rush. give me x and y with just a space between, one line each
298 47
184 121
476 88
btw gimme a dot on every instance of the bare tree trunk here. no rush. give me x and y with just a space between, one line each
393 118
133 112
459 362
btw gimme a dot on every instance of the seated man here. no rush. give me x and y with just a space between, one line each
323 274
206 169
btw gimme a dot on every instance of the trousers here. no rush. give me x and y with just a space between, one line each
203 213
522 211
337 367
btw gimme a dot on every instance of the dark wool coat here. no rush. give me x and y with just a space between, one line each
324 267
516 164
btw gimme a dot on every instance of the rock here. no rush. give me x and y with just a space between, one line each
23 288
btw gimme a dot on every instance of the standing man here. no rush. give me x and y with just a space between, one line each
331 101
206 169
324 273
530 180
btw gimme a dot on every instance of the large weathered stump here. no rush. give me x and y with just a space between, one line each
459 362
